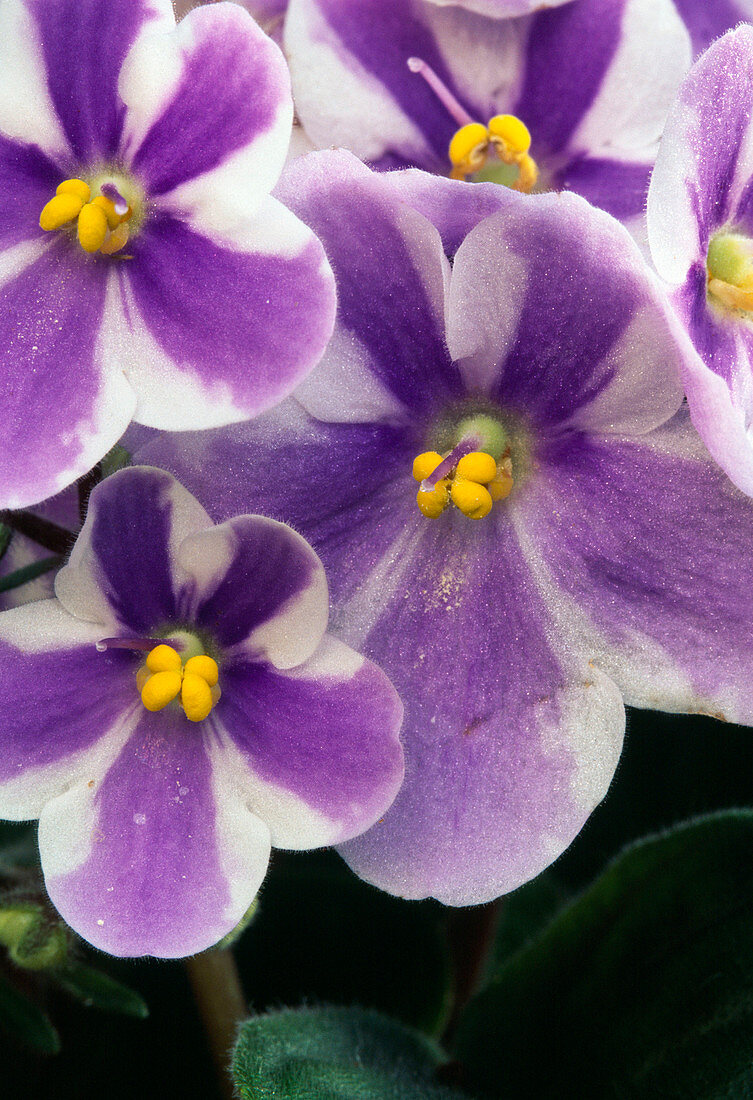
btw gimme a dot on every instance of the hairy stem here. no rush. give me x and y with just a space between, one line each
221 1004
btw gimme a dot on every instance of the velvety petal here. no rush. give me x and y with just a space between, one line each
63 705
662 594
508 746
598 351
234 152
83 45
27 112
210 334
28 179
123 571
617 186
353 88
452 206
707 21
705 160
161 857
316 746
600 75
499 9
261 590
51 311
297 469
391 274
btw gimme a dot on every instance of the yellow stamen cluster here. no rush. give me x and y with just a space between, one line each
504 135
729 269
99 227
472 486
164 677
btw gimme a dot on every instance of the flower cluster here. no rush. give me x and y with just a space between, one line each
436 374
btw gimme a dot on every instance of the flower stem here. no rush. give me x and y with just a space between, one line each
219 998
471 934
42 531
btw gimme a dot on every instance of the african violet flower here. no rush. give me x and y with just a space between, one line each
700 222
611 559
164 282
257 728
709 19
571 98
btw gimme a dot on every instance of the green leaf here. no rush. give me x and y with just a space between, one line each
643 987
98 990
25 1022
335 1054
29 573
323 935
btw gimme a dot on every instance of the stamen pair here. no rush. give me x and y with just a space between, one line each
101 222
164 677
473 485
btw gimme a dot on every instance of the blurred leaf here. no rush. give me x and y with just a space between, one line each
523 915
98 990
25 1022
643 987
321 934
335 1054
18 846
6 534
29 573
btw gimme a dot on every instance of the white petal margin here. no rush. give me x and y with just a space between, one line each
490 283
78 584
653 56
46 627
297 626
338 101
26 109
150 77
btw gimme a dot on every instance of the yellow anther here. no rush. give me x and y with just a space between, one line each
528 173
117 239
163 658
108 207
477 466
512 132
160 689
196 697
60 210
425 464
92 227
501 486
203 666
433 502
468 148
472 499
75 187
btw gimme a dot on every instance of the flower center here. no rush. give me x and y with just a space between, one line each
101 213
497 151
166 676
473 476
729 270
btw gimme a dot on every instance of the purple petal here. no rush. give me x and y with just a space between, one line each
596 351
217 89
390 270
319 741
28 180
653 544
60 699
707 21
220 333
704 164
123 570
84 44
617 186
500 9
52 302
508 746
262 589
161 857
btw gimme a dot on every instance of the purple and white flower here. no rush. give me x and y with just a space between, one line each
155 825
709 19
591 80
167 284
700 225
619 567
501 8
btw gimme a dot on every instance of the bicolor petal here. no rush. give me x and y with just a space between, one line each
706 22
161 856
317 745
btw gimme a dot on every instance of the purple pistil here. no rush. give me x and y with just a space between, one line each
138 644
110 191
441 91
466 446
